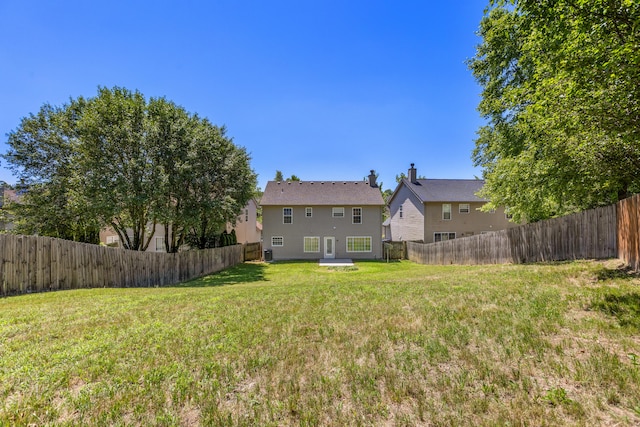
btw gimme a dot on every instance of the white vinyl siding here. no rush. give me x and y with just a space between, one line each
359 244
277 241
312 244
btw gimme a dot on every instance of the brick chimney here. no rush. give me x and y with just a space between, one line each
412 174
372 179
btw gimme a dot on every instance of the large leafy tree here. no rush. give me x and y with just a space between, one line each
561 95
44 155
119 160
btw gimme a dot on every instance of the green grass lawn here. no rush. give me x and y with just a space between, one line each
297 344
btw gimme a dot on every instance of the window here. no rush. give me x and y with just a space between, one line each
312 244
463 208
441 237
287 215
308 212
507 215
277 241
246 215
357 215
400 211
112 239
446 211
359 244
159 244
337 212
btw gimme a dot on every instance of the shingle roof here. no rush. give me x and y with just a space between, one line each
447 190
320 193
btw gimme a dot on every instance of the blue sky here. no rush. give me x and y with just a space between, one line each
321 89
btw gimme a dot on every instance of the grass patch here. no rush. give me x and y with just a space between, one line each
294 343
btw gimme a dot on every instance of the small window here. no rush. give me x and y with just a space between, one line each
308 212
441 237
463 208
359 244
246 215
287 215
508 215
357 215
112 239
277 241
337 212
400 211
160 244
446 211
312 244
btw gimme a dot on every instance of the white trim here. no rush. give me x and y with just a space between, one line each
304 244
332 245
308 212
359 237
448 233
285 216
468 206
353 216
273 241
337 212
443 212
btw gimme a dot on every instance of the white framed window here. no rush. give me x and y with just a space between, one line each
308 212
446 211
358 243
312 244
337 212
400 211
160 244
246 215
287 215
442 236
356 216
277 241
112 239
464 208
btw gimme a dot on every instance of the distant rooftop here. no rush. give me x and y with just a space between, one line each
298 193
447 190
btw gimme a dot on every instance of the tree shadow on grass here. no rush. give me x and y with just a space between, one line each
242 273
621 272
625 308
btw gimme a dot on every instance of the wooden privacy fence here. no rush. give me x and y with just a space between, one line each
584 235
252 251
629 231
37 264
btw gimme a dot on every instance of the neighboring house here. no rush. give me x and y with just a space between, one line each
248 229
323 219
109 237
245 230
6 195
432 210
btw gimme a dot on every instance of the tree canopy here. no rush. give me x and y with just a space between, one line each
561 96
120 160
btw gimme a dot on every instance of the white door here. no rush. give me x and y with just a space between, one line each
329 247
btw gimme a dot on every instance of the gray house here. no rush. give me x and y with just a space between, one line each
433 210
323 219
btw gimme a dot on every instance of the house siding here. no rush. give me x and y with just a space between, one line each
463 224
247 231
411 225
321 224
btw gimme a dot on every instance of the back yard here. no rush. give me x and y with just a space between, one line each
294 343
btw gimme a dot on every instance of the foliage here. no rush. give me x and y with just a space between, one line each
280 178
561 95
119 160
